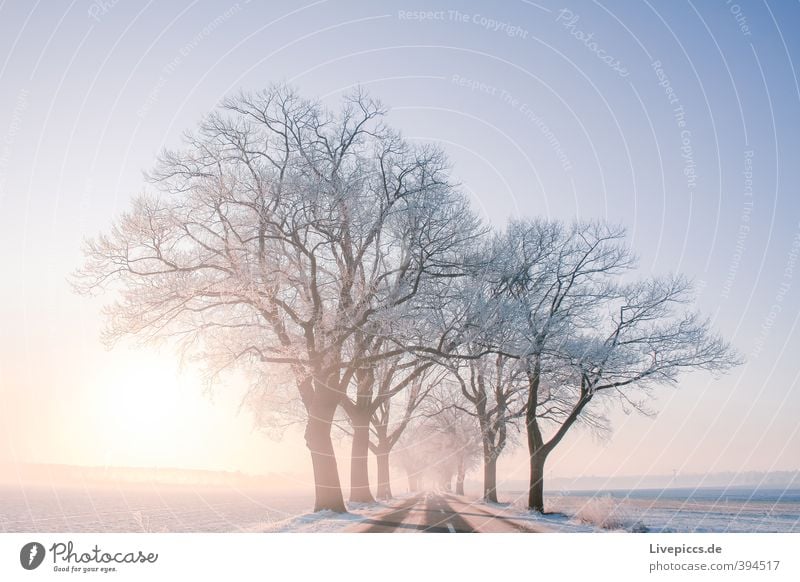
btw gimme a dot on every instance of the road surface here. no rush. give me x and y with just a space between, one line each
440 513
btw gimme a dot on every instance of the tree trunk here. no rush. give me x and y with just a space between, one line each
360 413
536 449
359 460
489 477
384 477
447 482
327 488
536 490
460 475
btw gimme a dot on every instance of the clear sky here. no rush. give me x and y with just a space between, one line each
676 118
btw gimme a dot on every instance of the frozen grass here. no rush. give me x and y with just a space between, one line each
144 523
550 522
604 512
570 514
318 522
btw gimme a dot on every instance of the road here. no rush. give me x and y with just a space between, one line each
440 513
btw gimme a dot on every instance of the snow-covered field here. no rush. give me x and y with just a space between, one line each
675 510
143 508
182 509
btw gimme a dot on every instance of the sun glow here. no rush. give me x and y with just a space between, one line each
143 402
148 412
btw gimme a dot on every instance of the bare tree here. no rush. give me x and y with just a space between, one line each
386 430
645 338
427 333
277 236
562 281
549 279
493 387
471 320
460 436
375 388
440 447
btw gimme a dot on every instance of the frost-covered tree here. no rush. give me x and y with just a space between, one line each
457 432
483 383
401 377
493 390
582 332
440 447
278 235
387 428
645 335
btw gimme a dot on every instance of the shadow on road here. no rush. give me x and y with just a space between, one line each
436 516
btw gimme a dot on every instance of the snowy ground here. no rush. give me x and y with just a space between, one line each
547 523
328 521
698 511
205 509
581 513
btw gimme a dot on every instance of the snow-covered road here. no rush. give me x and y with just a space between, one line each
440 513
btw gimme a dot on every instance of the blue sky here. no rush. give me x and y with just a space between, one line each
546 108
